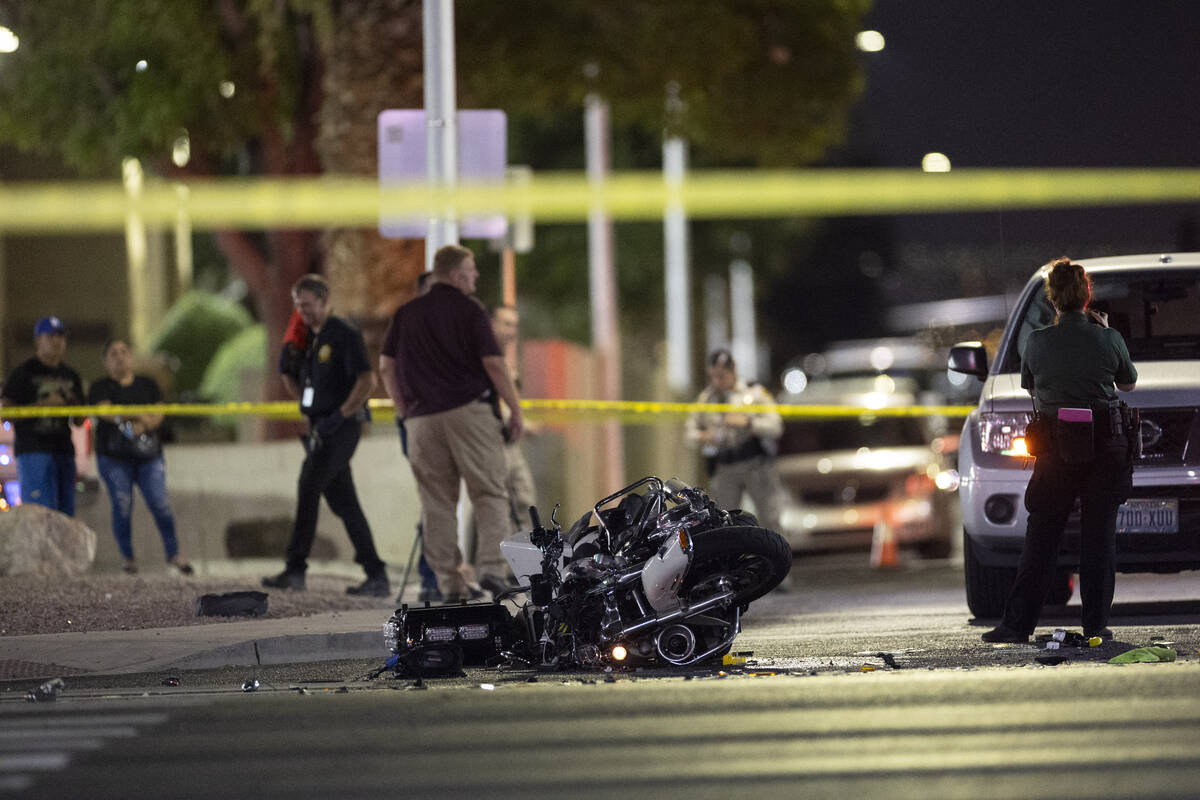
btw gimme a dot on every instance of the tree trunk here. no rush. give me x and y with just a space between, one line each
379 65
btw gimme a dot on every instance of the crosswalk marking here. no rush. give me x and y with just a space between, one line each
45 740
73 719
34 761
113 732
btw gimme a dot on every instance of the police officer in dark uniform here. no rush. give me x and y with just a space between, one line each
332 380
1070 368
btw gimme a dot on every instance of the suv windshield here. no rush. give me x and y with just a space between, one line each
1157 311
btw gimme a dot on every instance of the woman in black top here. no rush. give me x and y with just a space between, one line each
1076 364
129 453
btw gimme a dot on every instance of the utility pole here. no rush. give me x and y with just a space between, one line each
716 314
441 114
602 283
675 249
741 307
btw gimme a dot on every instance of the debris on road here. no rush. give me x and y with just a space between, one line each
1142 655
47 692
888 659
1050 661
1065 638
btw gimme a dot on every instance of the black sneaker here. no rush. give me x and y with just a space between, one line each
1003 633
371 587
1103 633
285 580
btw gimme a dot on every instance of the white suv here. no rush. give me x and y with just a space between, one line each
1154 301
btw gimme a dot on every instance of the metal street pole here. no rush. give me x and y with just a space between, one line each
675 251
678 279
441 112
716 314
602 283
184 269
741 306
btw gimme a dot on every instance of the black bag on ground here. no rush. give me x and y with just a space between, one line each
232 604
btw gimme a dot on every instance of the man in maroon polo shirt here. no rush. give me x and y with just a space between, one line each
443 369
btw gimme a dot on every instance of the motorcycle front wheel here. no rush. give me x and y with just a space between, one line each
754 561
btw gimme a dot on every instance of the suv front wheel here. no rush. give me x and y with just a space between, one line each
987 587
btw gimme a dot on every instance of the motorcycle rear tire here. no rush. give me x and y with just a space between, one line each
755 560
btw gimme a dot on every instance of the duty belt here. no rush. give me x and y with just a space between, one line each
751 448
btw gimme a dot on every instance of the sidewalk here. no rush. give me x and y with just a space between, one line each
324 636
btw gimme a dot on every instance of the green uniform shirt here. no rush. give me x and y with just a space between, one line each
1075 363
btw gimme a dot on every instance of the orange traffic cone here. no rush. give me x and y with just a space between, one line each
884 550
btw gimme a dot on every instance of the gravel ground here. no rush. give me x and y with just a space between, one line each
107 602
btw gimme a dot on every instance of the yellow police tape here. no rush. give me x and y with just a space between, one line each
569 197
629 410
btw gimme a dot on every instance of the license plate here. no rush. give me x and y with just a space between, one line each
1148 516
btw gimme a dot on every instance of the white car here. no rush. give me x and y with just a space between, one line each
1154 301
844 475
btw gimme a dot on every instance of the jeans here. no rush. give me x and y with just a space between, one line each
120 475
48 479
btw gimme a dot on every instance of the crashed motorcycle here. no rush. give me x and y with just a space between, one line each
655 574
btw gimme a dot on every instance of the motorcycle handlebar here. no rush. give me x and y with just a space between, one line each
533 517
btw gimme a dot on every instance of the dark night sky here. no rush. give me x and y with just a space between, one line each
1045 84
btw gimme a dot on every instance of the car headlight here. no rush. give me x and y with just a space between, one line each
1004 433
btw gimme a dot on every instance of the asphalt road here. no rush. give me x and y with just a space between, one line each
820 713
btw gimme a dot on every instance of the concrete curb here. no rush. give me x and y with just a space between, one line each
288 650
324 637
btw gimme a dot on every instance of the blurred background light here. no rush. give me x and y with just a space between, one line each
227 89
9 41
882 357
142 65
181 149
869 41
795 381
935 162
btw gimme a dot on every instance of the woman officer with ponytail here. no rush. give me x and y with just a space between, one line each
1071 368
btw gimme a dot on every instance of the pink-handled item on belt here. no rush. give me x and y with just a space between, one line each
1075 414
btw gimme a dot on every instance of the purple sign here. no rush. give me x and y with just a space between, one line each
482 156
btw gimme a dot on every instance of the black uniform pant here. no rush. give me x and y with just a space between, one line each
1101 486
326 471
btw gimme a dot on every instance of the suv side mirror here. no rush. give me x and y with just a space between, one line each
969 358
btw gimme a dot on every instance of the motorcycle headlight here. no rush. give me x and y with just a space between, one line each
1003 433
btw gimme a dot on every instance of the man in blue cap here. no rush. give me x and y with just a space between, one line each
45 452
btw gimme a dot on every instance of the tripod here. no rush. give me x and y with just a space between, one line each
428 580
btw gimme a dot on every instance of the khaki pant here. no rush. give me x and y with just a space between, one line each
521 494
466 443
756 477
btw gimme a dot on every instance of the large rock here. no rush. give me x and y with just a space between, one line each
35 540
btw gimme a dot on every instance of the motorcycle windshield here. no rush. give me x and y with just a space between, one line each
676 486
